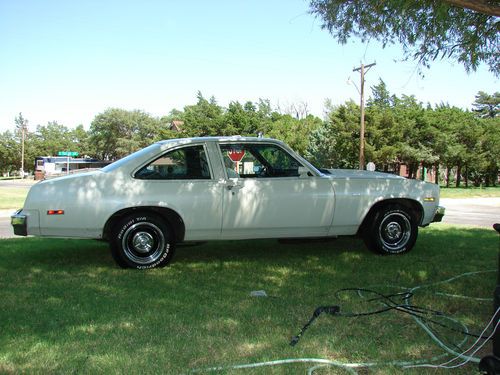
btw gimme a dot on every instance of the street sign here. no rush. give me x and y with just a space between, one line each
236 155
67 153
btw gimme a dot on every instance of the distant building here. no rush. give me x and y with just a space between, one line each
176 125
53 166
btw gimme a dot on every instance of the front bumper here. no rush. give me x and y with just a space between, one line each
438 215
19 222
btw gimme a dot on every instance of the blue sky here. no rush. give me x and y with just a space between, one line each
67 61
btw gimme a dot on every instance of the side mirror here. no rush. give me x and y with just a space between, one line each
303 172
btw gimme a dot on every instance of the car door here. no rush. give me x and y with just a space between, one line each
183 179
269 193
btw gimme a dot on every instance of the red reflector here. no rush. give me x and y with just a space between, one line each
55 212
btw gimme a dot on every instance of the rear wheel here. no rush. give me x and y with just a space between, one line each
142 240
392 230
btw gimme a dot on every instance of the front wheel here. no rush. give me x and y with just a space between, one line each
142 240
393 230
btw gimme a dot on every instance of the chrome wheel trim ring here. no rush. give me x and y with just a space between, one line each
143 243
395 231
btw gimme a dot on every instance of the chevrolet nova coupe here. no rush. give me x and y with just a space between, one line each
218 188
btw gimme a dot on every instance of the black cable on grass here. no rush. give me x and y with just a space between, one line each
389 303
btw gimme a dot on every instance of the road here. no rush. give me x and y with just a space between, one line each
483 212
5 228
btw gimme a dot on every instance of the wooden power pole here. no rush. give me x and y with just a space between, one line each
363 69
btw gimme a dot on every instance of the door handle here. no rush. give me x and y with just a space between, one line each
233 186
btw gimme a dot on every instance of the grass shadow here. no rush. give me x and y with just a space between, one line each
66 307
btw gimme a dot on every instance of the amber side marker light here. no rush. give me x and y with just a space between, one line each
429 199
55 212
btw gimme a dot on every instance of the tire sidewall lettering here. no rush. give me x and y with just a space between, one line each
159 261
129 224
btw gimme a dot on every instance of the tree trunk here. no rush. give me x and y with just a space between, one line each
459 171
447 176
466 176
436 173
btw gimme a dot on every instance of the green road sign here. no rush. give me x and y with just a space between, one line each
67 153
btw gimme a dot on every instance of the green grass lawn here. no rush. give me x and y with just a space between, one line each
11 197
470 192
66 307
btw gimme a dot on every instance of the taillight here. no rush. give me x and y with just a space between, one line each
55 212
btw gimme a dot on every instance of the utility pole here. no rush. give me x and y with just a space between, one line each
363 69
22 125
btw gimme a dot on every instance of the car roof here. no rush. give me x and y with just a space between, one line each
232 138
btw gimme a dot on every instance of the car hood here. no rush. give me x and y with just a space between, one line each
358 174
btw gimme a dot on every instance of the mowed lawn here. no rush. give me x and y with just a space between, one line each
470 192
67 308
12 197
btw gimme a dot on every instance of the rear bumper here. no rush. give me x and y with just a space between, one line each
19 222
438 215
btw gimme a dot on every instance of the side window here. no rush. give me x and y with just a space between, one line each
188 163
258 160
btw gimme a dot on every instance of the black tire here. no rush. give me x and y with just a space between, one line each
392 230
142 240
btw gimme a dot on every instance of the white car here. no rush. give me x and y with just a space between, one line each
218 188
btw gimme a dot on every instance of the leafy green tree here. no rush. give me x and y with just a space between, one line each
383 137
50 139
487 105
116 133
242 120
415 147
456 140
335 143
80 141
10 160
381 97
427 29
490 151
294 132
205 118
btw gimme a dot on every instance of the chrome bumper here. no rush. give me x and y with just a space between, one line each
438 215
19 223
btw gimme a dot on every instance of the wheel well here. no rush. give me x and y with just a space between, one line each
170 216
415 209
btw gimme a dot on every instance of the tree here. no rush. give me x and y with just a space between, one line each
50 139
456 137
80 141
487 105
22 133
9 153
335 144
205 118
116 133
426 29
381 96
294 132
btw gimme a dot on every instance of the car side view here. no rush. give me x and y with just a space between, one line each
217 188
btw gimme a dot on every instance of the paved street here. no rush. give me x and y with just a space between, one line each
482 212
5 228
